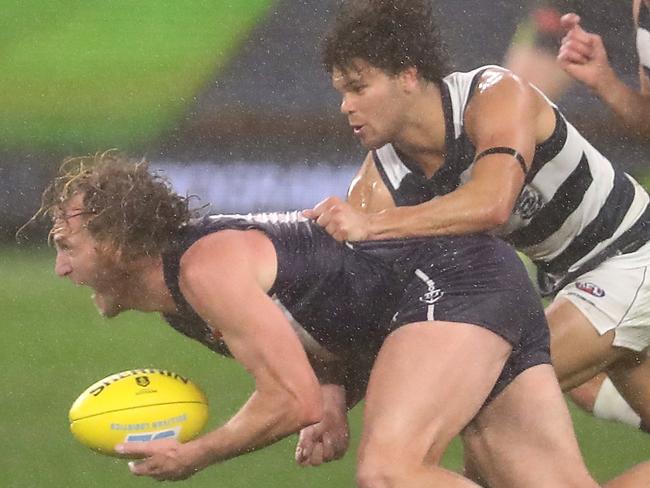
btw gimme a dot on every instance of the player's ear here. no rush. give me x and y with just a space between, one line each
409 78
110 251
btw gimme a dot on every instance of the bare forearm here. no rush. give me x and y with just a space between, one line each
347 385
334 398
432 218
260 422
631 106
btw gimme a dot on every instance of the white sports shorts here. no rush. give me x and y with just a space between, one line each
616 295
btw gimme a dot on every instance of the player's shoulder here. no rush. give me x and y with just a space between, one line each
498 78
221 250
490 84
459 79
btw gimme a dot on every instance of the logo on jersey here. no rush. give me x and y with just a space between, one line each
433 293
590 288
528 203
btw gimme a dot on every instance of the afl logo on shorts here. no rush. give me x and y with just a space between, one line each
590 288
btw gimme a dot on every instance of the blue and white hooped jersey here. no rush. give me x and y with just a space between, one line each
643 38
574 204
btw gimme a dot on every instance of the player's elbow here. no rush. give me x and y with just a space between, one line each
298 407
495 215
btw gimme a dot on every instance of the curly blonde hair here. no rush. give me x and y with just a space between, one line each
128 207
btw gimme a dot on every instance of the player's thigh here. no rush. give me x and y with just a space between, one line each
578 350
601 317
632 380
429 380
524 437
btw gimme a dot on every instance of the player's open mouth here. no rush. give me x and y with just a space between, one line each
357 129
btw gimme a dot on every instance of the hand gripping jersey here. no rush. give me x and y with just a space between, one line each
348 298
575 204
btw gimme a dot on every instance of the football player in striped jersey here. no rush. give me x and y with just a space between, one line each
484 151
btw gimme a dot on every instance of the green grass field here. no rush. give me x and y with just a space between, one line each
96 74
55 345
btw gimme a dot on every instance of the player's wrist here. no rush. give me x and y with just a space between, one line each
199 454
377 225
206 450
605 82
334 400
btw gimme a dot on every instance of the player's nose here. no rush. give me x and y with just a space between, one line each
62 266
346 106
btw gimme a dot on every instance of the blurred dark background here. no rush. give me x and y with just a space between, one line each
228 97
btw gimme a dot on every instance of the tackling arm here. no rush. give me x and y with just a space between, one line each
502 113
505 112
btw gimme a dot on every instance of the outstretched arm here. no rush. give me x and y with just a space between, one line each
225 277
583 56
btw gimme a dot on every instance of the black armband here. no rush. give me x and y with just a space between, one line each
504 150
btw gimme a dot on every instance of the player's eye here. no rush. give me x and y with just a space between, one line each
63 246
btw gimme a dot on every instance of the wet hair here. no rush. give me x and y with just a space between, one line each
391 35
126 206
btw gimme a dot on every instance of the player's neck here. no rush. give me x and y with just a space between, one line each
147 290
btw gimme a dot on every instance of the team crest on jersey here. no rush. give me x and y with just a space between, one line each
433 293
142 381
590 288
528 203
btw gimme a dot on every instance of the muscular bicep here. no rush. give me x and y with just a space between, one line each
367 191
507 112
261 339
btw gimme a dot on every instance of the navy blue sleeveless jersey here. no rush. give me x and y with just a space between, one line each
349 297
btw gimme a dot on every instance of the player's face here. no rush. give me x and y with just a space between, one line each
80 258
371 99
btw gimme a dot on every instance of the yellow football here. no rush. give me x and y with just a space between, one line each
138 405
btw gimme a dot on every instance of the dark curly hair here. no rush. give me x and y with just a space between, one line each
391 35
129 208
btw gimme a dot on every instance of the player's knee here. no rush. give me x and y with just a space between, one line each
379 466
376 477
376 469
390 474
